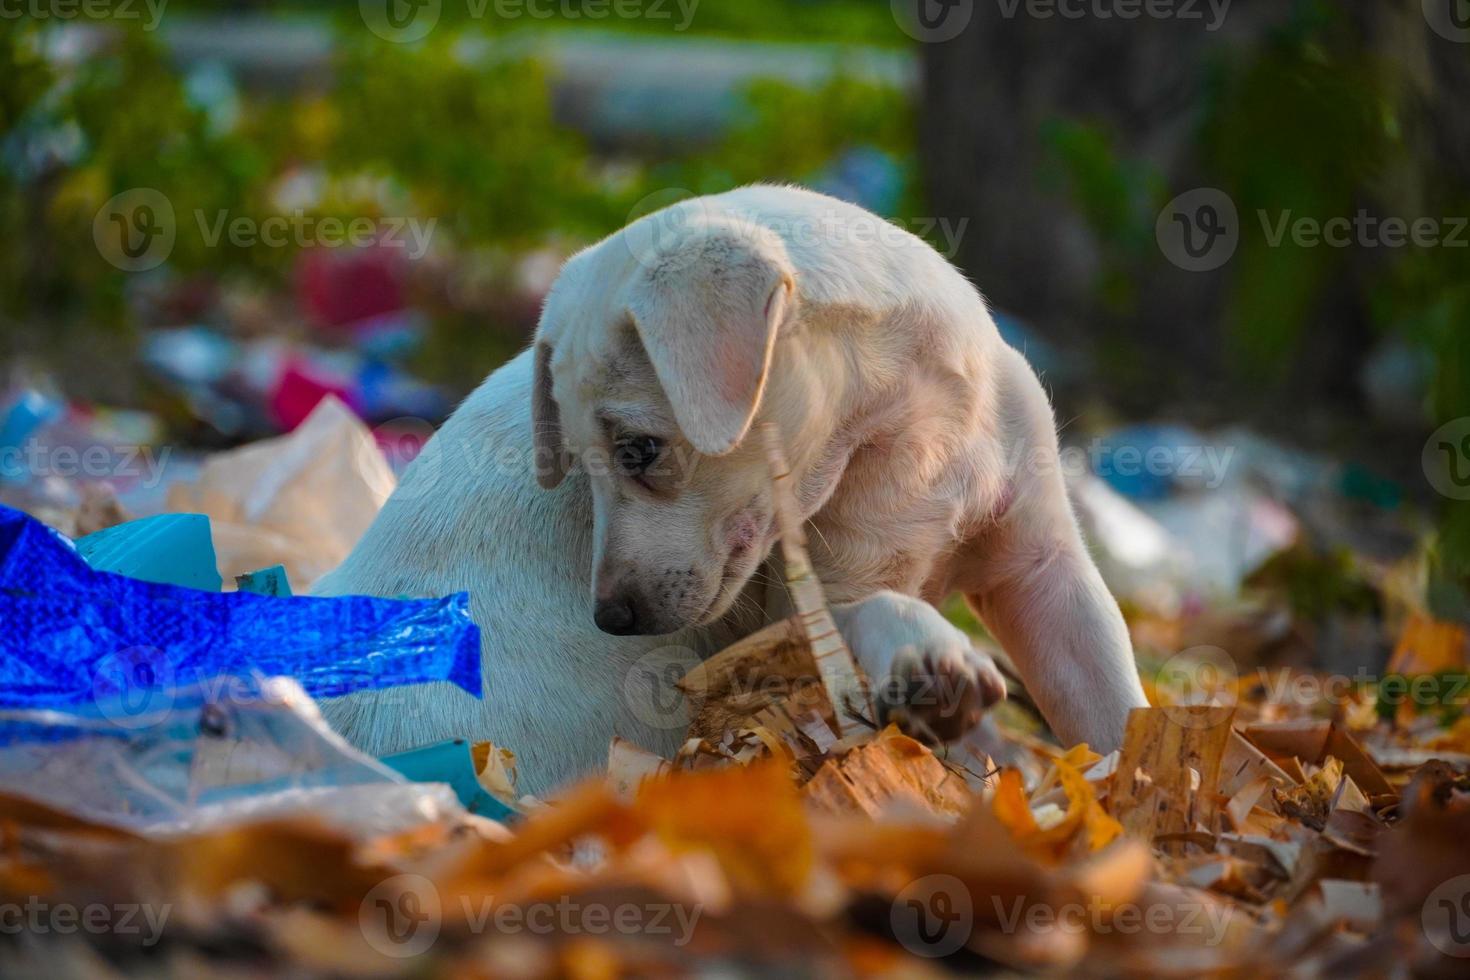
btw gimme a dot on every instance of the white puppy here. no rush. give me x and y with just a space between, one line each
923 449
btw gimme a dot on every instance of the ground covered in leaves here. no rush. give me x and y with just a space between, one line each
1236 835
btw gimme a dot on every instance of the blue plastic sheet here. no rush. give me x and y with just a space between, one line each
74 637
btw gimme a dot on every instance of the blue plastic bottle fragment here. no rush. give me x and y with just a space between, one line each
20 419
74 637
172 549
450 762
265 581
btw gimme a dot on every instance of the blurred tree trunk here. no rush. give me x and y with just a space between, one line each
989 94
992 99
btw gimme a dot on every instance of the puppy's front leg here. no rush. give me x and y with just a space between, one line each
1057 621
923 672
1030 578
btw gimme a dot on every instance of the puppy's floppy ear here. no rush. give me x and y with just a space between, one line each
549 452
707 309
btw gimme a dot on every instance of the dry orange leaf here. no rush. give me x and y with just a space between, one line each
1010 806
1101 828
1429 646
1456 739
1083 813
749 817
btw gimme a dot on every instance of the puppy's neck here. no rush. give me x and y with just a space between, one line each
889 420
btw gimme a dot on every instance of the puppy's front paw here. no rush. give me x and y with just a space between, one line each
925 676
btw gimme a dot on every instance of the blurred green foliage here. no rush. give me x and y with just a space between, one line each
472 140
1117 197
1310 124
433 131
845 21
423 130
1318 586
1300 130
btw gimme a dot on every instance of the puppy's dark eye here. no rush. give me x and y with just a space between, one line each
634 455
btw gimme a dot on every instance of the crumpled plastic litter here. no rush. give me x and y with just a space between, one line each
56 453
1137 558
226 751
1195 523
175 549
301 500
268 384
1228 533
71 635
1173 453
23 414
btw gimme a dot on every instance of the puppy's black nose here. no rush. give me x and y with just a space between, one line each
615 616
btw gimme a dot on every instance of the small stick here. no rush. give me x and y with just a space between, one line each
847 690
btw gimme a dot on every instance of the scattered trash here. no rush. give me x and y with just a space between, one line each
301 500
173 549
266 581
205 757
74 636
453 763
21 417
865 176
264 385
1237 830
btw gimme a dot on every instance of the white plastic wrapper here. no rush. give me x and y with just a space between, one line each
228 751
301 500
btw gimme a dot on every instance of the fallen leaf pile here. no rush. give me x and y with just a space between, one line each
1213 842
1236 832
